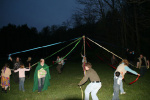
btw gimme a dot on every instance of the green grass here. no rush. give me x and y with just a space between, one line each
64 86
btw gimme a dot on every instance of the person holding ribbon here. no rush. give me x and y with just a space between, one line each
123 68
95 83
16 64
41 77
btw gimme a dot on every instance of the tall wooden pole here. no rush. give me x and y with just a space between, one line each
84 44
84 55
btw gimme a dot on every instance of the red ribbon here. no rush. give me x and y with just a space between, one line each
113 66
134 80
88 44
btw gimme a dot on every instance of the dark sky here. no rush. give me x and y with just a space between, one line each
36 13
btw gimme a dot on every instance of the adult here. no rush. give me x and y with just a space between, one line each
114 61
41 77
58 61
142 64
27 65
123 68
95 84
5 78
16 64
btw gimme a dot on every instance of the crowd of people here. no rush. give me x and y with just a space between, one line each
42 74
21 71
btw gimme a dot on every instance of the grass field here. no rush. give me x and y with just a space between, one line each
64 86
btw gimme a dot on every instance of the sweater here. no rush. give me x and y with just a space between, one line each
7 72
21 72
92 75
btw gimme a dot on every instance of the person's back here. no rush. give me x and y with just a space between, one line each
121 68
117 81
22 72
7 72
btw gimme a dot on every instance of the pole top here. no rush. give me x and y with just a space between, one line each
83 36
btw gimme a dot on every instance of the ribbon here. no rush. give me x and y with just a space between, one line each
134 80
81 92
38 48
114 67
59 50
66 54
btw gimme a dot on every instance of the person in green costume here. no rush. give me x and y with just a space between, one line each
41 77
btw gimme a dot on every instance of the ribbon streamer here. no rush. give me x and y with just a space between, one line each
58 51
134 80
66 54
81 92
38 48
109 64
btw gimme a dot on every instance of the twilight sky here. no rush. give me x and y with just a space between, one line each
36 13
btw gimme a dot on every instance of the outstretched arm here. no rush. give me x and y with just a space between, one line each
10 59
16 70
131 71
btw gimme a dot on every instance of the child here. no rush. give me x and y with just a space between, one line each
95 84
5 78
21 71
117 81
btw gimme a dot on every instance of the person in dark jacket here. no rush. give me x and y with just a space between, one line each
95 83
16 64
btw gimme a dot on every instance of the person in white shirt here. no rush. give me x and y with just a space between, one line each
117 81
21 71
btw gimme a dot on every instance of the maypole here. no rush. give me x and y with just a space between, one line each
84 55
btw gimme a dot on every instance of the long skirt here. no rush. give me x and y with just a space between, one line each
5 81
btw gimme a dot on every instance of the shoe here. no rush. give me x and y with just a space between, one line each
123 93
113 94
